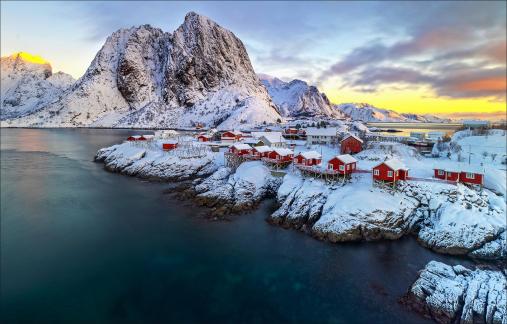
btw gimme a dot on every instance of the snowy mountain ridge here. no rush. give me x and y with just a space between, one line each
28 84
296 98
145 77
368 113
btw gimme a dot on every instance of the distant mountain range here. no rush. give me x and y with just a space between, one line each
145 77
368 113
297 99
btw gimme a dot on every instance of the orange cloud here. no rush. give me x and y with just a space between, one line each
483 85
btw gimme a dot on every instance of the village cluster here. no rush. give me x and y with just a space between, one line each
277 150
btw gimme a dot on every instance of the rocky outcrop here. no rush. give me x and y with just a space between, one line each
455 294
448 219
150 162
368 113
145 77
230 191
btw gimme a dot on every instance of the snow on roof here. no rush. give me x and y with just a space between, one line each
148 136
262 149
136 136
311 155
283 151
461 167
273 137
394 164
204 135
233 132
171 142
241 146
314 131
346 158
352 135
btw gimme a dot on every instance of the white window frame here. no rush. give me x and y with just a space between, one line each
376 172
389 174
470 175
348 166
341 168
440 172
329 166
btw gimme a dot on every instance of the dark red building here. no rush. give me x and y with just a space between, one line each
204 138
231 136
281 155
169 146
390 170
309 158
351 144
464 174
343 164
240 149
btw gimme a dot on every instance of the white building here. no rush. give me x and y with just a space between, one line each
273 139
316 135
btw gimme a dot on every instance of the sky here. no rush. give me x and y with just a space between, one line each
423 57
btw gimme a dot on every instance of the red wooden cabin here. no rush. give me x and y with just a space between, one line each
141 138
464 174
449 174
309 158
204 138
281 155
390 170
261 151
231 136
133 138
168 146
291 131
351 144
240 149
343 164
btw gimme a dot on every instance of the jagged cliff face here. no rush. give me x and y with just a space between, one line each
27 84
297 98
144 77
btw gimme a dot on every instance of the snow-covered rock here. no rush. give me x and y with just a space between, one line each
368 113
145 77
455 294
296 98
232 191
28 84
148 161
446 218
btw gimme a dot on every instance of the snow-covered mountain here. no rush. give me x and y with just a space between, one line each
28 84
296 98
368 113
145 77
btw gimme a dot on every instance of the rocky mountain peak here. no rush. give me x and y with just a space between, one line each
145 77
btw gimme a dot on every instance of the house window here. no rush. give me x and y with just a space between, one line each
449 174
342 168
330 166
440 172
303 161
389 174
397 174
348 166
470 176
376 172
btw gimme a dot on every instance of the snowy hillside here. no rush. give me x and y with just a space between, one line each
28 84
296 98
145 77
368 113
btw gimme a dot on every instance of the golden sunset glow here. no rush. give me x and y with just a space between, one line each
422 100
35 59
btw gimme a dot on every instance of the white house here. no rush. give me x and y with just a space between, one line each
476 124
273 139
316 135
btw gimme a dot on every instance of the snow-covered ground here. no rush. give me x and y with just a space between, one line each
447 218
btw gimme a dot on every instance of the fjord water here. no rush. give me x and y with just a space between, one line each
79 244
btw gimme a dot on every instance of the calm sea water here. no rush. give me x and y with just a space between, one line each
405 128
79 244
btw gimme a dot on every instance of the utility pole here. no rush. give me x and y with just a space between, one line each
469 153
